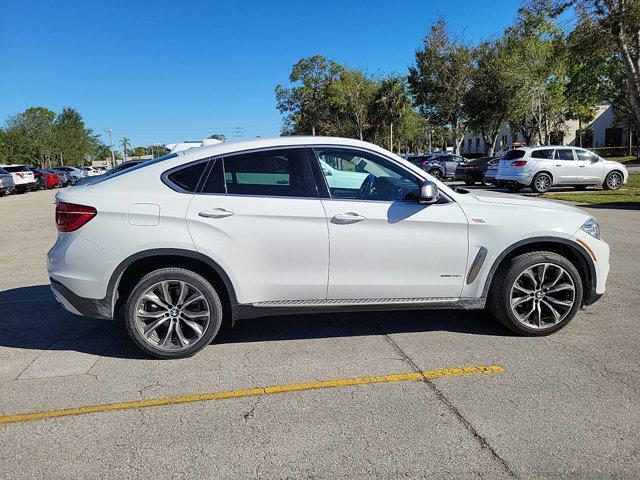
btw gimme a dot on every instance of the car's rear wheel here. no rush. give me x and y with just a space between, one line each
536 293
541 182
173 313
434 172
613 181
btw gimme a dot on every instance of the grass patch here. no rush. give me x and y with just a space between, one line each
629 193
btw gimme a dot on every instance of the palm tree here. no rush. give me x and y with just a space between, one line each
392 103
125 143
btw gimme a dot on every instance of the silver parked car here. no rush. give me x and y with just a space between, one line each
543 167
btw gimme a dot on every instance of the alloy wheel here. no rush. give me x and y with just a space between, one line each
172 315
542 296
543 183
614 181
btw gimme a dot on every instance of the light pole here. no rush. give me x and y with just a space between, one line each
113 158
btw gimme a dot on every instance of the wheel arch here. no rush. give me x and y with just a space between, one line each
573 251
134 267
544 170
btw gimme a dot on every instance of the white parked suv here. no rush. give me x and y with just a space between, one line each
23 178
543 167
246 229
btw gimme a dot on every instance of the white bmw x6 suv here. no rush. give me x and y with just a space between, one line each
310 224
543 167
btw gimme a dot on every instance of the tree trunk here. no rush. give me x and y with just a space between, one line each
391 137
632 69
313 130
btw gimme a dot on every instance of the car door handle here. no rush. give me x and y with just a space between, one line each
349 217
558 164
215 213
582 166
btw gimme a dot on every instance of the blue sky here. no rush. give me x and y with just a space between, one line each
166 71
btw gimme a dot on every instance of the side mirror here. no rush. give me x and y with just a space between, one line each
429 192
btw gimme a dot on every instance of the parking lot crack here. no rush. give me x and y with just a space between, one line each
484 443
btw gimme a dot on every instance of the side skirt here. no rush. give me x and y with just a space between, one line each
301 307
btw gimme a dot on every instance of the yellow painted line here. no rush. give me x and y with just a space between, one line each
252 392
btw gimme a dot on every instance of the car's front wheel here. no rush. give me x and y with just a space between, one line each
536 293
613 181
173 313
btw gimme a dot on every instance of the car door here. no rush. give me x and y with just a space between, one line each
590 167
258 215
383 243
565 169
452 166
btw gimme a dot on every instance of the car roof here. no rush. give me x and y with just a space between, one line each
286 141
548 147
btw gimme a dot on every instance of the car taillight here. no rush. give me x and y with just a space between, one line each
70 216
519 163
422 164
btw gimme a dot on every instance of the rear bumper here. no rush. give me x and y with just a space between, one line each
523 178
77 305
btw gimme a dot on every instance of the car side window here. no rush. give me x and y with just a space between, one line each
361 175
277 173
586 155
187 178
544 153
564 154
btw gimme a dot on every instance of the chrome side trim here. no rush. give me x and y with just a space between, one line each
477 265
355 301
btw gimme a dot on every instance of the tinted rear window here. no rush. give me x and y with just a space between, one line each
546 153
513 154
187 178
20 168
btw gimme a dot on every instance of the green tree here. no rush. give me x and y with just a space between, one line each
391 104
487 105
535 55
347 101
440 78
29 136
72 141
218 136
304 104
614 24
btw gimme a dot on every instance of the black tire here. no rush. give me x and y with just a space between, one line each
469 182
499 300
580 187
610 184
174 274
541 182
434 172
21 190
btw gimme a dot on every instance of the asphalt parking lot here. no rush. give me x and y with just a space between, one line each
563 406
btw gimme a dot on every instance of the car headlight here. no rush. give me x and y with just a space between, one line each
592 228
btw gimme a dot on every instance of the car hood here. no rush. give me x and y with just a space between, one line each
527 202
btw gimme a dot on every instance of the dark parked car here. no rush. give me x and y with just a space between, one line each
474 170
